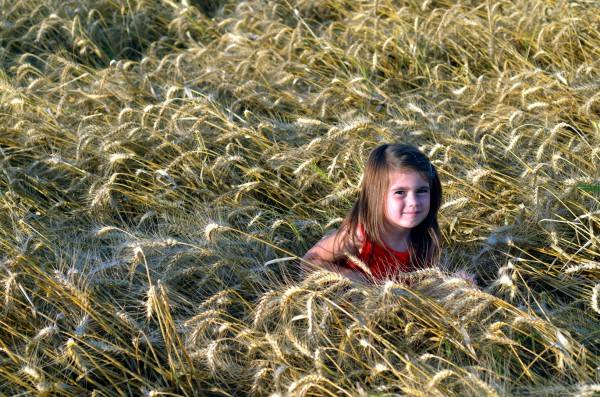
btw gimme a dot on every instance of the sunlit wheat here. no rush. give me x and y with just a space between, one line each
164 167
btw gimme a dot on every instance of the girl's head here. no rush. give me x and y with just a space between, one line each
392 158
370 209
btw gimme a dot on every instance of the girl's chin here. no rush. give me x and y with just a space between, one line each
410 223
405 225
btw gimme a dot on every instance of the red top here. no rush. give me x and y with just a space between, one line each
384 263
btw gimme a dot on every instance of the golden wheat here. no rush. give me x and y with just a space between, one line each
163 166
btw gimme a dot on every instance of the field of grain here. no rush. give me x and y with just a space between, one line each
163 163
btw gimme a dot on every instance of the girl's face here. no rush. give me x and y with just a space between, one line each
407 200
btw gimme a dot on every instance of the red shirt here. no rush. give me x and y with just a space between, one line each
384 263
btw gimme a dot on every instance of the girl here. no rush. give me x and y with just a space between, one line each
393 227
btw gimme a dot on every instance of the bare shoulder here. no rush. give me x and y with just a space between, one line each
359 235
335 245
328 251
325 249
356 242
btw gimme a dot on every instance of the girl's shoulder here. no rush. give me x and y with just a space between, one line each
357 239
346 240
359 233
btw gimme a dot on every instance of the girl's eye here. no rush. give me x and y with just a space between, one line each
400 192
423 191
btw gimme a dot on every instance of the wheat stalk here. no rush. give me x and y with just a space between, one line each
160 168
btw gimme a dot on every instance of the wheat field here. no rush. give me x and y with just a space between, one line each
164 163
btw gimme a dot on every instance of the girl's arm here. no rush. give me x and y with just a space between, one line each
324 255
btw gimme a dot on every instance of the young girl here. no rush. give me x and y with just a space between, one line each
393 227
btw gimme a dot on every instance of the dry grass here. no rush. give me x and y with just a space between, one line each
162 164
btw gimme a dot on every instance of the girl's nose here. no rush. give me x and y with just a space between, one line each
411 199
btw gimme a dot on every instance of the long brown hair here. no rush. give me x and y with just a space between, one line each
368 211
